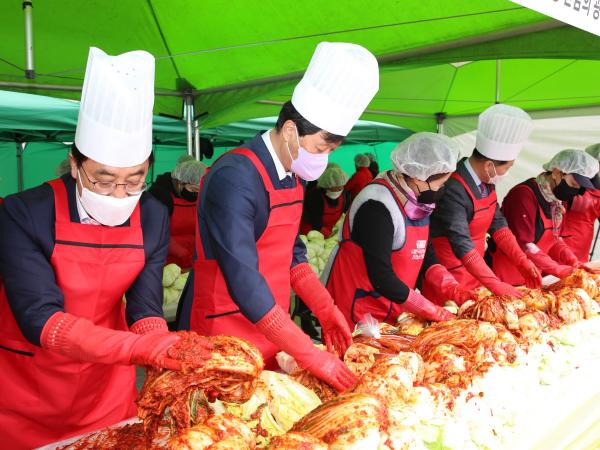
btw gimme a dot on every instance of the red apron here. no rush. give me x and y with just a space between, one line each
578 226
183 226
483 214
1 200
213 310
349 283
504 267
330 216
46 397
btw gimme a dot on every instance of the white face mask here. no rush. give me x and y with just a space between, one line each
106 209
496 178
334 194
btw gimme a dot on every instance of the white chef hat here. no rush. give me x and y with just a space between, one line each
338 85
502 131
114 126
425 154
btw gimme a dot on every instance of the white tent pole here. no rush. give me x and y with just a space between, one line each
197 140
439 120
189 118
497 81
28 13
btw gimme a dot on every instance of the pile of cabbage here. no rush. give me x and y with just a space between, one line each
513 406
277 404
318 248
173 282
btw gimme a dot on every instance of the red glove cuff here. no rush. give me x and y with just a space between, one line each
150 325
308 287
56 330
300 272
506 241
470 258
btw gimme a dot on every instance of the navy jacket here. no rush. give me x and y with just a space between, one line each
26 246
232 215
455 211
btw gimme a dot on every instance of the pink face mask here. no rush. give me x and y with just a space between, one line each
413 209
308 166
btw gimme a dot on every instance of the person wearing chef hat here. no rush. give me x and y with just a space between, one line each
70 249
535 212
384 247
178 191
582 213
249 254
469 209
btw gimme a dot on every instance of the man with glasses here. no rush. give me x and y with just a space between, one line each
70 249
178 191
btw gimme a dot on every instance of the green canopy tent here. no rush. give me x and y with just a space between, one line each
34 128
238 60
441 62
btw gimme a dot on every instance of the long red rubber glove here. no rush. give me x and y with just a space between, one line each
547 264
306 284
477 267
420 306
438 278
561 253
81 340
507 243
278 327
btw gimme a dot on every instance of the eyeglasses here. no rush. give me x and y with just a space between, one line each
108 187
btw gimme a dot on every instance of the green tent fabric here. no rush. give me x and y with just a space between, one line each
41 159
45 123
27 117
363 132
241 60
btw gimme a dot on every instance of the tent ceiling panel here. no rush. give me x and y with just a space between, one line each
236 54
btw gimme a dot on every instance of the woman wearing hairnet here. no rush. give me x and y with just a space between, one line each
324 206
384 245
535 210
179 191
582 213
361 177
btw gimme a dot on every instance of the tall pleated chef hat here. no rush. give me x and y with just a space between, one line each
115 115
339 83
502 131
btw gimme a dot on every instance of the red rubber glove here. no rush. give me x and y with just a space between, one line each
561 253
477 267
278 327
507 243
547 264
306 284
420 306
439 279
81 340
150 325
